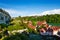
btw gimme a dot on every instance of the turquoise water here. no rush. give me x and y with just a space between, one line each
54 24
40 37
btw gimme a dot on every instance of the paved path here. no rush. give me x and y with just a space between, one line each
19 31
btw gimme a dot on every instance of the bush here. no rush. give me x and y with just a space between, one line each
3 26
15 27
17 36
0 36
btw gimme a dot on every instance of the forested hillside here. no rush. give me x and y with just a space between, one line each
49 18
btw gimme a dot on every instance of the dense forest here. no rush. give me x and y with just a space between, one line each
49 18
55 18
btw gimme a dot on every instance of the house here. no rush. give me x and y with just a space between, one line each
31 26
58 32
39 23
42 31
50 30
55 30
46 30
4 17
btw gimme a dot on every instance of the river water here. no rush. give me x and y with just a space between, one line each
41 37
54 24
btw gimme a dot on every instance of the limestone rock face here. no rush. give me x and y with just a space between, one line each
4 17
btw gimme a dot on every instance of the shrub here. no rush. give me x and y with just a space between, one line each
17 36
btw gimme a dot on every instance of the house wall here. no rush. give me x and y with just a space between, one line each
55 32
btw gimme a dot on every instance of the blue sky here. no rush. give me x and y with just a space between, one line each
28 7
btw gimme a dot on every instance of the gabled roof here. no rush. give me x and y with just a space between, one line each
31 26
55 28
41 22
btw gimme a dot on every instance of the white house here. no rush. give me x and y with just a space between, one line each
4 17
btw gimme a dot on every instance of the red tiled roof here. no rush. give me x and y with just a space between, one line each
55 27
31 26
46 25
39 23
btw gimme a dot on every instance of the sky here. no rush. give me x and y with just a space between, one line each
30 7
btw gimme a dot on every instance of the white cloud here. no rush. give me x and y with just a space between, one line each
55 11
11 12
15 13
49 12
